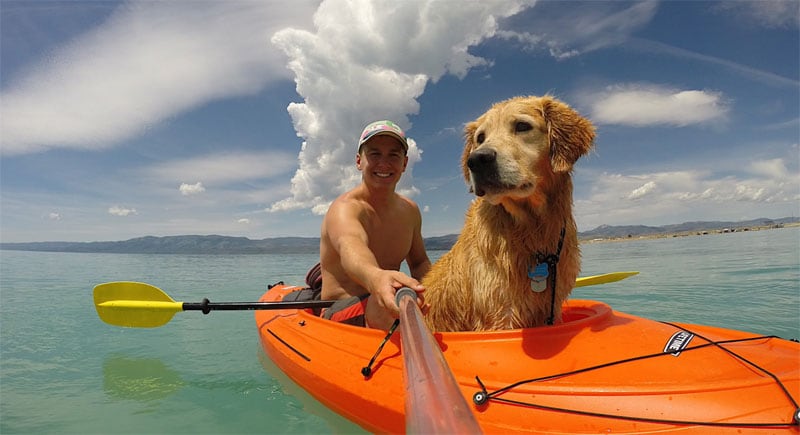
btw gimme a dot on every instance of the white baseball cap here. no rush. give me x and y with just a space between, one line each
379 128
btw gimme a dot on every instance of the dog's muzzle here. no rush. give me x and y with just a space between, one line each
482 164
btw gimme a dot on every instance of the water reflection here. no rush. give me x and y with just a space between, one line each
139 379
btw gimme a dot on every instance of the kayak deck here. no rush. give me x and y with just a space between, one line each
598 371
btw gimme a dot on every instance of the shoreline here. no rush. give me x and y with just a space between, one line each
227 245
689 233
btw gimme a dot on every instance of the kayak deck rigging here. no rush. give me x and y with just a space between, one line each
483 396
598 370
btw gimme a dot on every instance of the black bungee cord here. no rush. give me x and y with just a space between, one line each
367 370
483 396
552 269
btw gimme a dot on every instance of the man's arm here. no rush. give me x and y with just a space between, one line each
350 240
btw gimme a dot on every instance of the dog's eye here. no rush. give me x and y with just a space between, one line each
480 138
522 126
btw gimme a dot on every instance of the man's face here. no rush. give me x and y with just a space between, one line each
382 160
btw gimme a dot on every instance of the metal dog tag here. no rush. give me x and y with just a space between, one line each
538 276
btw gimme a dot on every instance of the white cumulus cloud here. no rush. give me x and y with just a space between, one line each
191 189
772 168
369 60
648 105
677 196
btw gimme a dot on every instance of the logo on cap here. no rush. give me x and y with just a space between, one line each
384 127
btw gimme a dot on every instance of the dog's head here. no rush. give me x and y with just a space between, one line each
519 145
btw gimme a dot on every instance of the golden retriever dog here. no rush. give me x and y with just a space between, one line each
517 257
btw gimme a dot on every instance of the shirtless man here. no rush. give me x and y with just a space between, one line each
368 232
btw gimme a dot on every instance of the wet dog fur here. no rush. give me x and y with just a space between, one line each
517 160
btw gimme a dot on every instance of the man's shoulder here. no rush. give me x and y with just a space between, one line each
407 202
349 199
347 205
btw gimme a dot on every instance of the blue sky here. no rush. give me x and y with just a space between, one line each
126 119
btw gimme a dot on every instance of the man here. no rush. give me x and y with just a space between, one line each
368 232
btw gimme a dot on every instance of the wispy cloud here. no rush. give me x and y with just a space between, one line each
366 61
149 61
750 72
646 105
567 32
222 168
643 190
764 13
121 211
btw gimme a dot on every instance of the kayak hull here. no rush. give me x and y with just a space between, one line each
598 371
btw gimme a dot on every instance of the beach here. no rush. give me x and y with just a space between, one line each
708 232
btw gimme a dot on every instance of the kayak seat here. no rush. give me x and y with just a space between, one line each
314 277
312 292
302 295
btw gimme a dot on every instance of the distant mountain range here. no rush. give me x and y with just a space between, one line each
225 245
214 244
623 231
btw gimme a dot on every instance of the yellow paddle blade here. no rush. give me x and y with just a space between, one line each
603 279
134 304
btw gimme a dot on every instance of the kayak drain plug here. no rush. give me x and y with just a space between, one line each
481 397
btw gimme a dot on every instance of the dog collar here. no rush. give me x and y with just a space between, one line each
542 267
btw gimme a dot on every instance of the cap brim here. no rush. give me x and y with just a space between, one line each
399 138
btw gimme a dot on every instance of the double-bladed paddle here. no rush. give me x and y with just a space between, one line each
603 279
140 305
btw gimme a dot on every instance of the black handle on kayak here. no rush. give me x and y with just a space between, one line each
207 306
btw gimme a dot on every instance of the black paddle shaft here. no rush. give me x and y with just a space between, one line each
207 306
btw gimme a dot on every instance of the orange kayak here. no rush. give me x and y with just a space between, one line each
598 371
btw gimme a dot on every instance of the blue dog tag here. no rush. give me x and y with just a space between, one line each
538 276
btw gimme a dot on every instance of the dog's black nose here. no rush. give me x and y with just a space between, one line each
481 159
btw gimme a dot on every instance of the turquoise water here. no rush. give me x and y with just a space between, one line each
63 370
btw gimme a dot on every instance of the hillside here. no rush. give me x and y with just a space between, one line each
192 244
630 231
226 245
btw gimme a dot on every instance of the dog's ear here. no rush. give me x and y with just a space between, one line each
469 146
570 134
